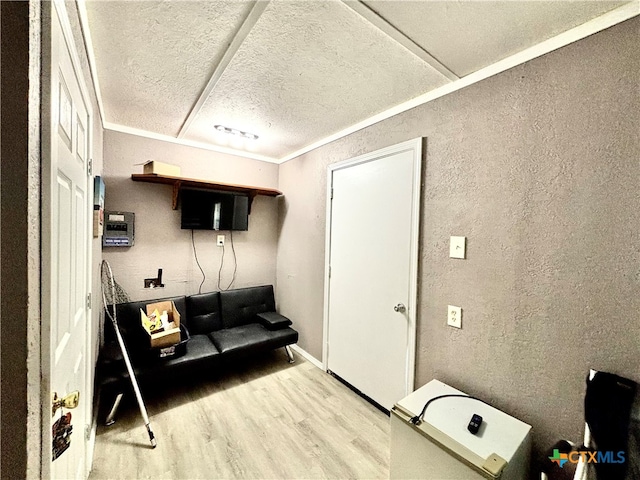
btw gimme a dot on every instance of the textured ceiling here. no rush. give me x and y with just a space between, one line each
467 36
153 58
307 70
296 72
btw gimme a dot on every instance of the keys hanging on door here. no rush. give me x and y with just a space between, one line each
61 432
62 429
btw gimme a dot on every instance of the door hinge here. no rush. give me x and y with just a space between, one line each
90 167
329 271
87 431
89 300
331 193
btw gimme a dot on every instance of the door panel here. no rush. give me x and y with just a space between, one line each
80 257
68 249
372 238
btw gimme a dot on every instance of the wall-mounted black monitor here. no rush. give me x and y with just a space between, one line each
212 210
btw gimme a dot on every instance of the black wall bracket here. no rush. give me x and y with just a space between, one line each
154 282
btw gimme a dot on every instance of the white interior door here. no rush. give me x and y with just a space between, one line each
373 245
66 246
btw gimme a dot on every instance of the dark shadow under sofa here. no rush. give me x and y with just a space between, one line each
219 326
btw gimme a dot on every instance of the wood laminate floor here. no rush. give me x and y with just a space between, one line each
261 418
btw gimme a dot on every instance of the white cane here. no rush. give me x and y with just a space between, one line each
105 270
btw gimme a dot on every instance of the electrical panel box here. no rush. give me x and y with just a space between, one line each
118 229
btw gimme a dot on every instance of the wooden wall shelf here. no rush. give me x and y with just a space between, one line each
179 182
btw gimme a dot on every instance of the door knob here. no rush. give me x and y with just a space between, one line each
400 308
70 401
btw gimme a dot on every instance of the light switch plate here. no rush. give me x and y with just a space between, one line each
454 316
457 247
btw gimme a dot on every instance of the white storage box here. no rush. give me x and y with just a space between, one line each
441 447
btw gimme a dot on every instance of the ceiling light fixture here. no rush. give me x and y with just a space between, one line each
233 131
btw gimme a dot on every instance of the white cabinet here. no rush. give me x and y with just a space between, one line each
441 447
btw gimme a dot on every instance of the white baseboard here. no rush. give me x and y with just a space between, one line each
307 356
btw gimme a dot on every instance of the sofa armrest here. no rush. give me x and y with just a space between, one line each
273 320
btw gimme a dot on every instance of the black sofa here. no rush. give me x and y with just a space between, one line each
219 326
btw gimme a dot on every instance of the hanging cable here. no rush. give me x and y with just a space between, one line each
235 264
235 261
195 254
220 269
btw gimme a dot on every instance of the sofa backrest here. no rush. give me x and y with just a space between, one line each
240 306
128 317
203 311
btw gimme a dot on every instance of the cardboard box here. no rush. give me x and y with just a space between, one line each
166 337
160 168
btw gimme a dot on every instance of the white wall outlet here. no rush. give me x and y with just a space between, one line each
457 247
220 241
454 316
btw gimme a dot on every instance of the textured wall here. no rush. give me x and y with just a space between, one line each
159 241
38 17
538 167
15 206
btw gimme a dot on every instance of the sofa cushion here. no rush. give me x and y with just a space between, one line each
252 338
203 313
112 369
199 349
239 307
273 320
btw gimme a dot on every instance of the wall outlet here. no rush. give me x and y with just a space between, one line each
220 241
454 316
